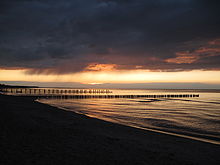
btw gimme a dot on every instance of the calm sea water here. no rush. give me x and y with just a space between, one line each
196 118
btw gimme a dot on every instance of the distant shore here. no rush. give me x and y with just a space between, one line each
35 133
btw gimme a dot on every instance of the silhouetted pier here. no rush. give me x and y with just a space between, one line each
40 91
111 96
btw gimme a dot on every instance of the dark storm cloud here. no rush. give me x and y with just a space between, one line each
53 36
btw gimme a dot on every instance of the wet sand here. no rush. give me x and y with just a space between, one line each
35 133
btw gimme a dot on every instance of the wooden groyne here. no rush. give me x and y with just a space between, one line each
81 93
40 91
117 96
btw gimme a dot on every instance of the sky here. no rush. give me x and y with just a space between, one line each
110 42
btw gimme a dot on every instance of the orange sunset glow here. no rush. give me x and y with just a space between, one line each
132 76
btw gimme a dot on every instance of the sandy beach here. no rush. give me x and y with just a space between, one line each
35 133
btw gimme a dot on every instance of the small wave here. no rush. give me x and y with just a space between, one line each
197 101
150 100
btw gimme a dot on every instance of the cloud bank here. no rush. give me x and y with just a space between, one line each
60 37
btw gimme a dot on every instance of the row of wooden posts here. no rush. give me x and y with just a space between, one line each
118 96
52 91
82 93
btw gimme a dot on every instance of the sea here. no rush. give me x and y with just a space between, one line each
195 118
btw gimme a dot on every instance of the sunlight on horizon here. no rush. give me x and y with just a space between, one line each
133 76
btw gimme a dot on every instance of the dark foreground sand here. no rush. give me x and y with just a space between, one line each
34 133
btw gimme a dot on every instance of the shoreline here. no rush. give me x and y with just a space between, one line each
37 133
211 141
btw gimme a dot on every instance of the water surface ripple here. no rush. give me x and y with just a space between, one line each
197 118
